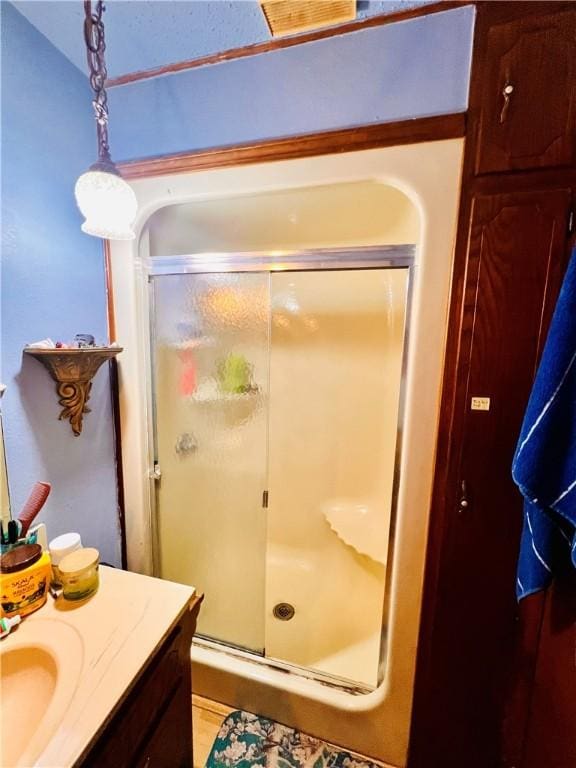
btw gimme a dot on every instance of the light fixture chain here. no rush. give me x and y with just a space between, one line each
95 48
107 202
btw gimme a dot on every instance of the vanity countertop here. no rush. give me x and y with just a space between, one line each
119 629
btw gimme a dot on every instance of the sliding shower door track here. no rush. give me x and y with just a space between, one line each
331 681
284 261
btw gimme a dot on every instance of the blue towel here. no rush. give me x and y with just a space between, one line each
544 466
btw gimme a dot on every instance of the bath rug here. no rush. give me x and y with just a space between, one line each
248 741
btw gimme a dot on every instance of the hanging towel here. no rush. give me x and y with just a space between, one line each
544 466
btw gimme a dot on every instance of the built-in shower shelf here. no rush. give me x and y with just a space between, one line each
210 392
359 525
196 343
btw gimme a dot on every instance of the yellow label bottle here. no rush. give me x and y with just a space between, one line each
25 573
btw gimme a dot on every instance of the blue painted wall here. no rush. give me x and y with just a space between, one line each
413 68
141 34
52 285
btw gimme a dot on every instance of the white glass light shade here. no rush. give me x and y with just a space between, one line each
108 204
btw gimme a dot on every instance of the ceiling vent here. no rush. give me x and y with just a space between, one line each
288 17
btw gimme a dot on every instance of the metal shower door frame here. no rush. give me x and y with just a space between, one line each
333 259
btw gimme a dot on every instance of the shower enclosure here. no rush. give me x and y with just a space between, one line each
277 399
323 466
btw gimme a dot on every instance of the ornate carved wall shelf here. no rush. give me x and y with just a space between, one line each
73 371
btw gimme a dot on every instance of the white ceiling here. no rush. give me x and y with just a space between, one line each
142 34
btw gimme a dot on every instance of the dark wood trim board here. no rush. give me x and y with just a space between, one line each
362 137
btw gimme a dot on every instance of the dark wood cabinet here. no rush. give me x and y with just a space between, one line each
516 259
551 727
516 248
528 106
153 726
485 670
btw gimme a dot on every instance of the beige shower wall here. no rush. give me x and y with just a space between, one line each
336 216
335 371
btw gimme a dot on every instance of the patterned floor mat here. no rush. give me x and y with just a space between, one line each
248 741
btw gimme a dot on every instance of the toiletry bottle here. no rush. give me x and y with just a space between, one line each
6 624
79 573
25 573
60 547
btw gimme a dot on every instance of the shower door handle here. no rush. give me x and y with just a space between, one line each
186 443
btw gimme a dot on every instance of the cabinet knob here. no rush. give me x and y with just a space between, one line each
463 504
507 92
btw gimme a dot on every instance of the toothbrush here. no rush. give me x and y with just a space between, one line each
37 535
35 502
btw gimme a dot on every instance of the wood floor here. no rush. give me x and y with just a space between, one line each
207 716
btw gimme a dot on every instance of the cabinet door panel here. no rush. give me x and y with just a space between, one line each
534 124
165 747
516 255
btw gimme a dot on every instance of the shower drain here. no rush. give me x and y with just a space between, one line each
283 611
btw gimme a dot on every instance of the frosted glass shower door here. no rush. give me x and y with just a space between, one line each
337 345
210 341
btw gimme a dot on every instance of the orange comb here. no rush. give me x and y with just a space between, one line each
35 502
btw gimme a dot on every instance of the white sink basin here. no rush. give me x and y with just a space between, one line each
40 666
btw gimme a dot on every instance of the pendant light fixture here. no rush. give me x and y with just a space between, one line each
107 202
